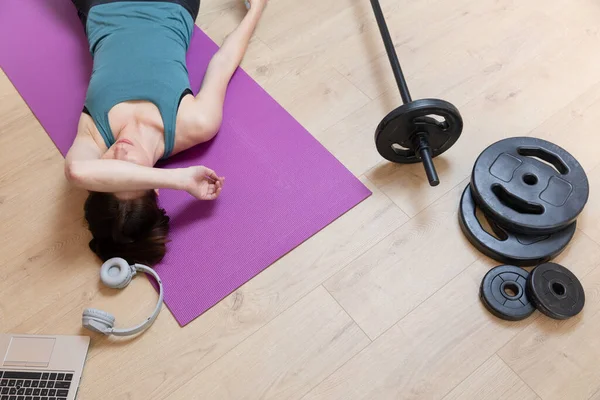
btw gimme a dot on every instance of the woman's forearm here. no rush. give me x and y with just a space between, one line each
234 47
119 176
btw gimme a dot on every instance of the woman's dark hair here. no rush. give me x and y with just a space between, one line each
134 229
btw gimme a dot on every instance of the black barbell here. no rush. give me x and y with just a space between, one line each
418 130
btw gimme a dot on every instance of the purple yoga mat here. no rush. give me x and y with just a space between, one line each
282 185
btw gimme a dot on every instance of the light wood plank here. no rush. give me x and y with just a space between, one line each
429 352
559 359
351 140
327 89
440 58
573 128
494 380
442 341
35 199
596 396
590 217
400 272
285 25
286 358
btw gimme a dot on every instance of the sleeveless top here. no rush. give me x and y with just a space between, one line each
139 53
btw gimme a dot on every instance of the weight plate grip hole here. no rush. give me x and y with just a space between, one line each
546 157
516 203
398 148
489 227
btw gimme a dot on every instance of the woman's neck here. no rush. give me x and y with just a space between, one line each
146 137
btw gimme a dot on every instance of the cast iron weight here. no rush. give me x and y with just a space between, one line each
418 130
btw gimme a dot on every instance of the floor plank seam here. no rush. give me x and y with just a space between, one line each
364 176
395 324
257 37
244 340
597 264
593 241
357 88
347 313
348 360
349 113
420 177
337 369
594 394
391 233
515 372
425 300
38 267
467 377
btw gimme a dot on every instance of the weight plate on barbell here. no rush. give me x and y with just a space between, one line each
529 185
508 247
555 291
439 120
503 293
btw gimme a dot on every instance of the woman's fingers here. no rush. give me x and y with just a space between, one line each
210 173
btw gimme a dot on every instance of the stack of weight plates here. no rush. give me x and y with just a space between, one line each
530 193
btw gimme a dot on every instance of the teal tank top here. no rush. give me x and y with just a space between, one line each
139 52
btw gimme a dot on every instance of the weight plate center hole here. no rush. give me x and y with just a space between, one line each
511 289
530 179
558 289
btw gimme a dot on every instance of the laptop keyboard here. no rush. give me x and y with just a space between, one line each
20 385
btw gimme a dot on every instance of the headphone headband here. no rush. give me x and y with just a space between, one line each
150 320
117 273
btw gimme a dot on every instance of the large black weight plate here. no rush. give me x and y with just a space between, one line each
503 293
395 134
555 291
524 194
514 249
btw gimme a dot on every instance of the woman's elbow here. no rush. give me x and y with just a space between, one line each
73 172
206 126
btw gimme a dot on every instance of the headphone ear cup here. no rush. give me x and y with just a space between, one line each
116 273
98 320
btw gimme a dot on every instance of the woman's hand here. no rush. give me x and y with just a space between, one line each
203 183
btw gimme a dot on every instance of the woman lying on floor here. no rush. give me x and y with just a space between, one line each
139 109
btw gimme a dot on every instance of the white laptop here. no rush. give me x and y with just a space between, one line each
36 367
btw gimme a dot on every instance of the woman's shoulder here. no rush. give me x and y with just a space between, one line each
195 124
88 131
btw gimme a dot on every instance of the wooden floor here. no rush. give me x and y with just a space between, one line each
383 303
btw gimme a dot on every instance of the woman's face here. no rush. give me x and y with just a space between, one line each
130 151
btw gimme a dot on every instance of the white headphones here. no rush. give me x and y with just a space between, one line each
116 273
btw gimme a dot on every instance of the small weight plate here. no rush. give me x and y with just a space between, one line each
503 293
555 291
439 120
529 185
510 248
